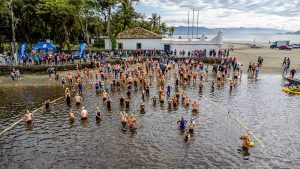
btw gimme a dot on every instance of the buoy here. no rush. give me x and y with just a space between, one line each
251 144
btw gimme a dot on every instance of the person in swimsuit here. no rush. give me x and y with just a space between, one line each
83 114
28 117
97 86
154 100
77 99
142 106
71 116
231 83
192 126
246 141
187 137
143 94
80 87
122 99
187 101
127 101
132 122
105 95
108 103
128 93
169 89
98 114
123 118
170 102
182 122
195 106
68 99
201 86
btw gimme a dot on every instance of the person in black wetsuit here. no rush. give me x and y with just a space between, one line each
98 114
122 99
68 98
47 104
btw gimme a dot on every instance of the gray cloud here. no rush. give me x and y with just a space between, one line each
214 13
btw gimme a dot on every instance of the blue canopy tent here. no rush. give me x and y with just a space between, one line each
44 46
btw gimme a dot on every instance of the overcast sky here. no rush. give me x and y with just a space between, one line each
280 14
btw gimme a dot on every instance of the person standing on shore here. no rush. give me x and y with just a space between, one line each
293 72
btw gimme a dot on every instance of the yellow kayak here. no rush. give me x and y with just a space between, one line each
287 90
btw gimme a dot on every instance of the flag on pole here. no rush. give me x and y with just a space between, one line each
81 50
22 50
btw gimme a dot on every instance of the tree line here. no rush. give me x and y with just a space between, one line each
69 22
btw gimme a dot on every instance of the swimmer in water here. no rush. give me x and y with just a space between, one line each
182 122
132 122
192 126
71 116
105 95
68 99
142 106
162 97
187 101
123 118
108 103
201 86
187 137
122 99
154 100
143 94
231 83
127 101
47 104
67 92
246 141
28 117
195 106
170 102
169 89
83 114
98 114
77 99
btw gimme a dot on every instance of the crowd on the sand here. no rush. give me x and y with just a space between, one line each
64 57
124 76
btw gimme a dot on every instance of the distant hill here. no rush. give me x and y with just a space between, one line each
183 30
294 33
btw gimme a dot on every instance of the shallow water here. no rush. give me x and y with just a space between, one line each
54 142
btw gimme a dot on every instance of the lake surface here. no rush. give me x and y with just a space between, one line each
54 142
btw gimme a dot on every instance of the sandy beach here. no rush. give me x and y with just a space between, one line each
272 57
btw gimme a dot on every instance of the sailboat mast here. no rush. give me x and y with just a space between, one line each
188 24
197 24
193 25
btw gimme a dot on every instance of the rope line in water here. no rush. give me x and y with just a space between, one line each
19 121
236 119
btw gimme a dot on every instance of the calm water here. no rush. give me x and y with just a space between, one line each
54 142
258 37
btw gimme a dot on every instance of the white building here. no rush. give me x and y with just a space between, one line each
142 39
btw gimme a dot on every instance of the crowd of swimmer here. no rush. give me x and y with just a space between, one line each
124 76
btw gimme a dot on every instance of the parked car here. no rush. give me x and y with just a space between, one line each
255 46
285 48
295 46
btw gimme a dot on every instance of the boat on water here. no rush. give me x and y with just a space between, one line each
287 90
292 81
